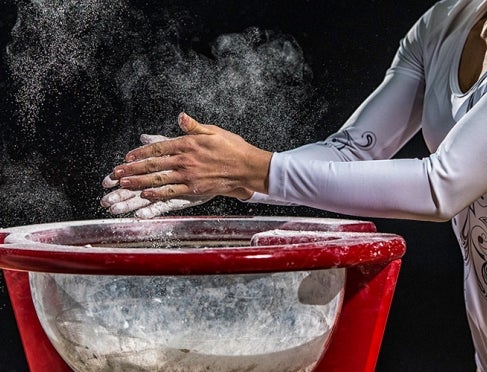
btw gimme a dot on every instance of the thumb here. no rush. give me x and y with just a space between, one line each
191 126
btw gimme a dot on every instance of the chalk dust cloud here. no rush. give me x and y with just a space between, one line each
86 78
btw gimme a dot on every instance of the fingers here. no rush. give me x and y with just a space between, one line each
153 149
151 165
150 180
166 192
117 196
123 201
156 146
161 207
110 180
150 173
160 167
129 205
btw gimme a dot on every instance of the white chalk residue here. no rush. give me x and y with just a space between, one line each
267 322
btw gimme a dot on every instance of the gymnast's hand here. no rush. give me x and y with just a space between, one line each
123 201
206 162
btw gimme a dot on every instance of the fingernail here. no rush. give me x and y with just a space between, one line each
180 117
130 158
181 121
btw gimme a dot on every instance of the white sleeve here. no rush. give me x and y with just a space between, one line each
384 122
434 188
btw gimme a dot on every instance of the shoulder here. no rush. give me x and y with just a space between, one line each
430 31
442 17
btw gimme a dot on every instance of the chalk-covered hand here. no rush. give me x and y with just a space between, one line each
123 201
206 162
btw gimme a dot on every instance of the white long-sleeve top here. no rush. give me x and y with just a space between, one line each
352 171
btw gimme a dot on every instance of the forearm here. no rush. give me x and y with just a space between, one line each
385 188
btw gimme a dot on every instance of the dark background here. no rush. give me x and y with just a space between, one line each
348 45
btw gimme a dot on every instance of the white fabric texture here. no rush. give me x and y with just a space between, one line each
352 171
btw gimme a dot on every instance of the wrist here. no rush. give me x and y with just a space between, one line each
258 171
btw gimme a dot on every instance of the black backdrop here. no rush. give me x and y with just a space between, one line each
348 45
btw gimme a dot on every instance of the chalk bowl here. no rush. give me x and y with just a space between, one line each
193 323
182 294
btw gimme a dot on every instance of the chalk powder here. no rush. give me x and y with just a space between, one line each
266 322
